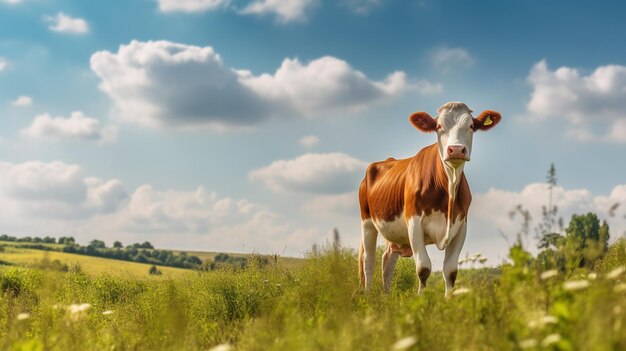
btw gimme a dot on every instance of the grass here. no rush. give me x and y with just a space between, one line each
317 305
14 255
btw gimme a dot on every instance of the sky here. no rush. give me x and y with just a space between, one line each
247 125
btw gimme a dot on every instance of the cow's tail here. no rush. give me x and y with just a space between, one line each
361 272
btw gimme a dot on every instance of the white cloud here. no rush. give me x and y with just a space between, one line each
346 204
23 101
3 63
592 105
55 198
63 23
190 6
362 6
11 2
492 208
76 127
450 58
164 83
284 10
312 173
309 141
56 190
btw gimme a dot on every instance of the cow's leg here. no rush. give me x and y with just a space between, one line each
369 235
422 261
389 265
451 260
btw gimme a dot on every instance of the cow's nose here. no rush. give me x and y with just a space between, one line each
456 151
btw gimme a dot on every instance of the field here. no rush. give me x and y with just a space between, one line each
316 305
14 255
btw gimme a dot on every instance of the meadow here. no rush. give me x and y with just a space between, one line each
317 305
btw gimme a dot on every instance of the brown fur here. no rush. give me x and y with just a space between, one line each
412 186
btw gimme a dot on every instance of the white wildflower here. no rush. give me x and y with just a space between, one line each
550 339
460 291
107 312
548 320
78 308
22 316
549 274
592 275
614 274
576 284
221 347
405 343
620 288
528 343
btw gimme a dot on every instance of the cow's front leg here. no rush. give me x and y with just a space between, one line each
451 260
369 236
389 265
422 261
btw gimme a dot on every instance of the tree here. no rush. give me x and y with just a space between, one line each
586 240
118 245
67 240
97 244
154 271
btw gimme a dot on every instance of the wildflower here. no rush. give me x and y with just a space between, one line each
549 274
107 312
460 291
614 274
574 285
405 343
78 308
527 343
278 285
550 339
22 316
548 320
221 347
619 288
592 275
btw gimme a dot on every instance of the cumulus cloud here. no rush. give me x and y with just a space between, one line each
312 173
592 105
309 141
284 10
190 6
449 58
63 23
76 127
164 83
492 208
23 101
346 204
56 189
55 198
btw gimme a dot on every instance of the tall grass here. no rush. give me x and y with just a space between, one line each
317 306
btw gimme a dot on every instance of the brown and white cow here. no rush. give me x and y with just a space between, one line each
421 200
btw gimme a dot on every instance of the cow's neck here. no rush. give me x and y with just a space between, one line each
453 175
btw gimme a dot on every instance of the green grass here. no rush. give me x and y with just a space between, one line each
317 305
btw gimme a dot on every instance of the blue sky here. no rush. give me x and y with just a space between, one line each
137 121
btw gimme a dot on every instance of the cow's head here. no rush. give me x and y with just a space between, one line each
455 128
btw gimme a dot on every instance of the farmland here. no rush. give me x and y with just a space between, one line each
316 305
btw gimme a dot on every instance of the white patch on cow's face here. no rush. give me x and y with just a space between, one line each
454 136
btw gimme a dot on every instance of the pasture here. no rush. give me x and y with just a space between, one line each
317 305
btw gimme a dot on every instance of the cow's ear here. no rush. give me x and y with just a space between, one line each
423 122
486 120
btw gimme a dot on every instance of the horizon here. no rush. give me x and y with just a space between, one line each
246 125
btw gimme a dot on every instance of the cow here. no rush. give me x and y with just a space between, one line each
423 199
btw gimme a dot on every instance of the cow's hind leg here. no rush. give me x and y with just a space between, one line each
451 260
389 265
422 261
369 236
